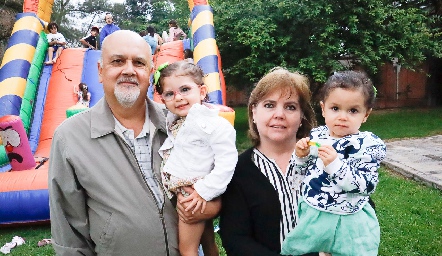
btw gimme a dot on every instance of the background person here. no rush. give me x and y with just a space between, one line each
91 40
105 191
175 33
341 172
151 39
83 95
188 55
158 37
260 203
109 28
165 36
56 42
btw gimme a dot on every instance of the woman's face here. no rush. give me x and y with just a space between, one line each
277 117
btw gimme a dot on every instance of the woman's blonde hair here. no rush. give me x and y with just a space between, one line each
287 83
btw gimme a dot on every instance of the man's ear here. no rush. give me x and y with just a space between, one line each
100 70
322 107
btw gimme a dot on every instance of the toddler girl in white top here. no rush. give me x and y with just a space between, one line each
200 149
340 164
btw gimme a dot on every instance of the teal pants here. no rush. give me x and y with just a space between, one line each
349 235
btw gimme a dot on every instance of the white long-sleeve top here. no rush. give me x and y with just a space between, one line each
204 147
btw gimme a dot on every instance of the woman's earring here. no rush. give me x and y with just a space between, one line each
300 125
254 121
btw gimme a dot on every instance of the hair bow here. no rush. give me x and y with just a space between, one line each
157 74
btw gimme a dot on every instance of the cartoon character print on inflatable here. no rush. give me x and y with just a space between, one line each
13 135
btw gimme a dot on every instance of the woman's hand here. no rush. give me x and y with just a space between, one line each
327 154
302 148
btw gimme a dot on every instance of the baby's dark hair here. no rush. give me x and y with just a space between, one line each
350 80
180 68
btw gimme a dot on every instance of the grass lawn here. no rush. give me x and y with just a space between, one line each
410 214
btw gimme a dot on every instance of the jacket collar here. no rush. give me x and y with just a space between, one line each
103 123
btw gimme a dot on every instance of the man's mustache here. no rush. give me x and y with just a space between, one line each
127 80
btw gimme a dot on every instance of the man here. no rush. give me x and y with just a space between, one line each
104 175
109 28
91 40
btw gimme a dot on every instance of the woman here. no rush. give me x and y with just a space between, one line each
260 204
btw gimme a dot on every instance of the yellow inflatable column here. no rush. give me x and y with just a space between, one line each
205 51
17 62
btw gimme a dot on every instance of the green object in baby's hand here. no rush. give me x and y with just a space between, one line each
312 143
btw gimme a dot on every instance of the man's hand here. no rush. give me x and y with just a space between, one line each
196 202
212 209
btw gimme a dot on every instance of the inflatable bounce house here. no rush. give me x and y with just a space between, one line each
35 98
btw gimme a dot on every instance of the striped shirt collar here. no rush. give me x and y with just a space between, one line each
287 194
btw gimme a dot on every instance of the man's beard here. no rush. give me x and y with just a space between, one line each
126 95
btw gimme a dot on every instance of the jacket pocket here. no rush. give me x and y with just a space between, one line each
107 235
103 232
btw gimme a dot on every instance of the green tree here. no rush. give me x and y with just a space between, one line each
312 36
60 12
133 14
76 19
162 11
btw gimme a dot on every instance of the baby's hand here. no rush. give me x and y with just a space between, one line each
196 203
327 154
302 148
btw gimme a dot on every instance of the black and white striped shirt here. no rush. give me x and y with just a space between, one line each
287 186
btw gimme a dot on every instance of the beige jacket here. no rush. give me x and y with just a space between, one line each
100 204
